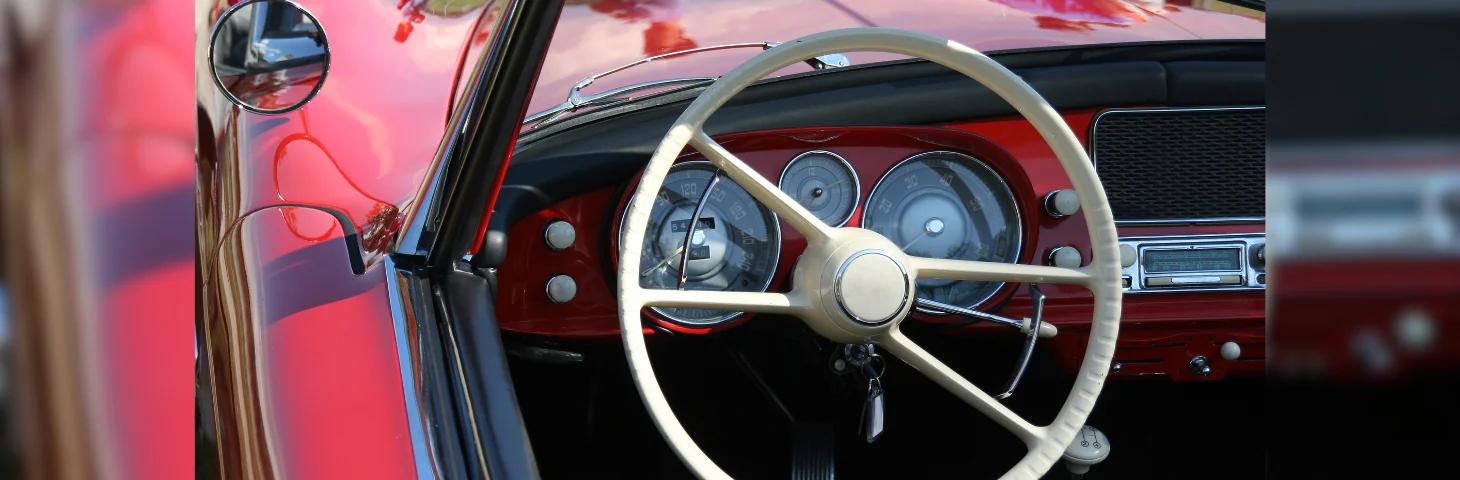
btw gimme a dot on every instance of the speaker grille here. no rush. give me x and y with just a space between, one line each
1182 164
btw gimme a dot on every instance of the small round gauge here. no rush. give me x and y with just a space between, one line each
825 184
952 206
735 247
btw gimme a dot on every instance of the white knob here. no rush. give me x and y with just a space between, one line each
1065 257
1231 350
561 289
1127 255
559 235
1090 447
1062 203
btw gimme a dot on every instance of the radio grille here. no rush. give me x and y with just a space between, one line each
1171 164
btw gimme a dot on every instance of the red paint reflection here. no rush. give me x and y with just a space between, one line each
664 35
1078 16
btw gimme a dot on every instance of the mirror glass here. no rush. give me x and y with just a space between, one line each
270 56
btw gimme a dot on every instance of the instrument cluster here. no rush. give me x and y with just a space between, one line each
938 203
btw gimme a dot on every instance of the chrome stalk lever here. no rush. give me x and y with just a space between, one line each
694 226
1045 330
1030 336
1033 328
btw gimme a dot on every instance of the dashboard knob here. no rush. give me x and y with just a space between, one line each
561 289
1065 257
1231 351
1061 203
1127 255
559 235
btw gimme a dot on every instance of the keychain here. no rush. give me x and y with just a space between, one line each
872 409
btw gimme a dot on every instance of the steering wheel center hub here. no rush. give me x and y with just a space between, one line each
872 287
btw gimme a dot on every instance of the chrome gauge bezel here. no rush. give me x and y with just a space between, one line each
856 181
775 256
1003 183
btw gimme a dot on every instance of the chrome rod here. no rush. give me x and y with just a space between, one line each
694 226
967 312
1030 338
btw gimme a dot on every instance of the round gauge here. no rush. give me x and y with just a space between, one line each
825 184
947 205
734 247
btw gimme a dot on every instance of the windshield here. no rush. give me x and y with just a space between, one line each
595 36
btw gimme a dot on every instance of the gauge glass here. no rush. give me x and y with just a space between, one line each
825 184
735 248
952 206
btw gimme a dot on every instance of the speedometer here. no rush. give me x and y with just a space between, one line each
825 184
947 205
735 245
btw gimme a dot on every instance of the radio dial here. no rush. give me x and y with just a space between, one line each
1259 256
1127 255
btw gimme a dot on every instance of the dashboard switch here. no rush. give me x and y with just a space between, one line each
561 289
1065 257
1061 203
559 235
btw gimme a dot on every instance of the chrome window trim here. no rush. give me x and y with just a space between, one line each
775 259
423 448
1018 218
1171 221
856 180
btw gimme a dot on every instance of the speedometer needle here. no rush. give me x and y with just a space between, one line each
914 240
663 262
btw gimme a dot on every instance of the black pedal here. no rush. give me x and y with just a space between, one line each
812 451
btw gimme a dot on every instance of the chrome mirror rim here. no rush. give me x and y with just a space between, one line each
213 69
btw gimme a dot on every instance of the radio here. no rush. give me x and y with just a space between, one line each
1194 263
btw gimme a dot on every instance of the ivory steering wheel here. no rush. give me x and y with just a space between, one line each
854 286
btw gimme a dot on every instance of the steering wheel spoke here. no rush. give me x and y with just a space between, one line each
998 272
760 188
759 302
898 344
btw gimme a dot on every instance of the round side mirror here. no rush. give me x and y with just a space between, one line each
269 56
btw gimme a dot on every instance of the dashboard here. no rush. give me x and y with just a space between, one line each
988 190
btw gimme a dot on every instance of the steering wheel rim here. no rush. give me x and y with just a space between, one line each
819 277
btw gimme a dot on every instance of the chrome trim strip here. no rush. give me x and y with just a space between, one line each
856 180
775 260
1173 221
607 98
212 37
837 287
422 447
1014 201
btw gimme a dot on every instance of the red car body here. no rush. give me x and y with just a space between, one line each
302 356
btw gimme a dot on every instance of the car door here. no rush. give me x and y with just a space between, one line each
328 233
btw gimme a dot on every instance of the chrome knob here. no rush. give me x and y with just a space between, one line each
561 289
1259 255
559 235
1065 257
1200 366
1061 203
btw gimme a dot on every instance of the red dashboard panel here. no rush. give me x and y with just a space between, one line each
1155 326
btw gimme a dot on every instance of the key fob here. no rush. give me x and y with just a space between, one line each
872 419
